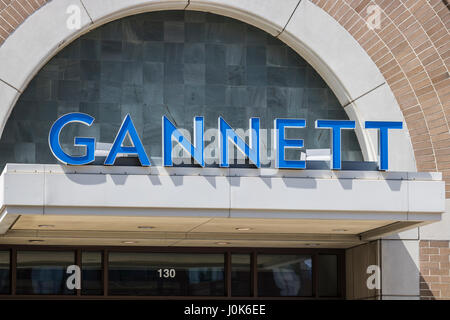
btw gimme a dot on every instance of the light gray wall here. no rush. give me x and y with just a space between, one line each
357 259
400 269
438 230
399 266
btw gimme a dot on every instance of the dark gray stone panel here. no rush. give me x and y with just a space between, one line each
175 63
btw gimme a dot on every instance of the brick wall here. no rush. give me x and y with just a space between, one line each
434 270
412 50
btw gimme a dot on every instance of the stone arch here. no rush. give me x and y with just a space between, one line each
342 62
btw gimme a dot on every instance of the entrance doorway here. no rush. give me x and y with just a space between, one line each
172 273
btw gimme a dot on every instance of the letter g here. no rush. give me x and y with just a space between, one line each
89 143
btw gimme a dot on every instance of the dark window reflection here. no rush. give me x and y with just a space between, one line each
92 273
240 275
284 275
43 272
166 274
328 276
4 272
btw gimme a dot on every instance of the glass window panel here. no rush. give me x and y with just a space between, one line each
240 275
166 274
328 276
92 273
43 272
4 272
284 275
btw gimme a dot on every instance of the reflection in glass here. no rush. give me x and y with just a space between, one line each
4 272
91 273
166 274
43 272
240 275
328 276
284 275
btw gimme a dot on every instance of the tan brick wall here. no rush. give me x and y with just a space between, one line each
412 50
434 269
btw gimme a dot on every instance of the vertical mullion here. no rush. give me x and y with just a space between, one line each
341 275
13 270
254 274
105 272
78 263
315 274
228 273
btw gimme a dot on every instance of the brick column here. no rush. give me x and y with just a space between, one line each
434 269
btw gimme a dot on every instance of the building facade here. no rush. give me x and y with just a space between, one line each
350 229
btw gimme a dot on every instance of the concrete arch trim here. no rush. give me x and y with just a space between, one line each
310 31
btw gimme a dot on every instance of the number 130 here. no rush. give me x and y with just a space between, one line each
166 273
